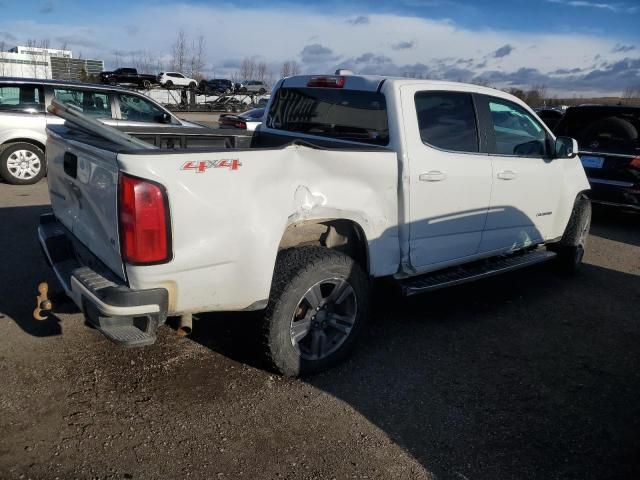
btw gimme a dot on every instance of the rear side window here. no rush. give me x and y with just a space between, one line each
342 114
94 104
517 132
447 120
21 98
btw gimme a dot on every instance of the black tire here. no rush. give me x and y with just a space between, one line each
262 91
113 82
146 84
570 249
192 86
7 156
297 271
168 84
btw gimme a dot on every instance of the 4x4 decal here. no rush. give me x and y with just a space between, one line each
203 165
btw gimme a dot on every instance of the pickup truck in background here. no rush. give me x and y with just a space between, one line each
350 178
121 76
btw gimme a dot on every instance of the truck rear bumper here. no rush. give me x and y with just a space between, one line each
126 316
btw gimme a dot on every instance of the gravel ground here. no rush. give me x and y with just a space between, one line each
528 375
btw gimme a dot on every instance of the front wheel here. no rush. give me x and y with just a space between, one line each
192 86
169 84
22 163
570 250
262 91
318 304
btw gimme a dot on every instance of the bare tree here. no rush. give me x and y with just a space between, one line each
285 71
631 92
197 58
295 67
179 52
247 69
262 72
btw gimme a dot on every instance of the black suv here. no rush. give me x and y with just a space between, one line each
217 86
609 147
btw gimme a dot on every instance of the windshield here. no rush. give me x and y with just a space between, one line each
343 114
613 129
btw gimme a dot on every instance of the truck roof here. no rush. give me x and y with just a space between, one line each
374 83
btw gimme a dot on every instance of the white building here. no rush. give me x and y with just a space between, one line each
36 62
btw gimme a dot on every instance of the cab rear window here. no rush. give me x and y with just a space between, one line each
352 115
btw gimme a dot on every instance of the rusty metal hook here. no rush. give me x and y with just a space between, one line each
42 302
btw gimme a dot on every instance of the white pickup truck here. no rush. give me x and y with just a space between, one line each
350 178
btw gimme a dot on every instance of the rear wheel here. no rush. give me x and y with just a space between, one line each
318 304
570 249
169 84
146 84
262 91
22 163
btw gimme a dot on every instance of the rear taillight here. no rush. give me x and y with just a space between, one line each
326 82
240 125
144 221
635 163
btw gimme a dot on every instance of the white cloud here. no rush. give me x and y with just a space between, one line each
277 34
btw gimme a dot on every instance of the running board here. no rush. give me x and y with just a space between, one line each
473 271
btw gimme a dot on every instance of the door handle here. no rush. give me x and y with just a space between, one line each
507 175
70 164
432 176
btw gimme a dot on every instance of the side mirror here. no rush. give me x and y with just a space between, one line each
166 118
566 147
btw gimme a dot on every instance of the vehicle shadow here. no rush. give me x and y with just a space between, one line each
530 374
616 224
23 266
525 375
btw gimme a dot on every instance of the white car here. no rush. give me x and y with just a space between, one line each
349 178
176 79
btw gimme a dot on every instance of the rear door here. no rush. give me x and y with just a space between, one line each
527 182
450 177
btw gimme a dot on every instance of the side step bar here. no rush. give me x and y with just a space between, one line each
473 271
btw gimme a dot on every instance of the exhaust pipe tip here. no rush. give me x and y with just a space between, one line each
186 325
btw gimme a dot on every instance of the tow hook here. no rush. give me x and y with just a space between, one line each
186 325
43 304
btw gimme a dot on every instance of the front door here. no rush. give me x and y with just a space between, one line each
449 177
526 181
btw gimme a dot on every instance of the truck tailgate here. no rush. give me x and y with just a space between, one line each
83 185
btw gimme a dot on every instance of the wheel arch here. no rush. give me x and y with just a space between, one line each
341 234
32 141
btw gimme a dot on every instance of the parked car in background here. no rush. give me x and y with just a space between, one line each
609 147
216 86
550 116
248 120
23 118
253 86
128 76
176 79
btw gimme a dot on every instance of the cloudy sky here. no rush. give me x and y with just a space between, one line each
574 47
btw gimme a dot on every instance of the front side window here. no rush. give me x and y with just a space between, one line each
353 115
93 104
516 131
21 98
136 109
447 120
